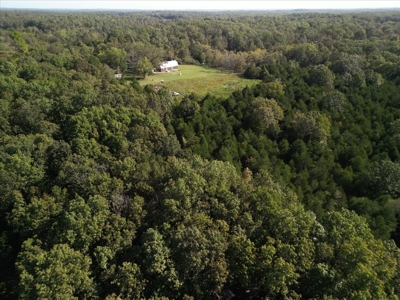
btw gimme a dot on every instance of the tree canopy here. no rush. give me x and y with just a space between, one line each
288 189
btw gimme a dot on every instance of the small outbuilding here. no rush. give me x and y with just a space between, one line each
118 75
168 66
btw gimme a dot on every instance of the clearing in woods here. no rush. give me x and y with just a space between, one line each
199 80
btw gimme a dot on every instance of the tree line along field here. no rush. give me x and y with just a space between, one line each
200 80
274 175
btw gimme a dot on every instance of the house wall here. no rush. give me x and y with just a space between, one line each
169 68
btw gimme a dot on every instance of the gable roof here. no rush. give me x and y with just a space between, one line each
169 64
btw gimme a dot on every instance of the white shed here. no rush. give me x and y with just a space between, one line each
171 65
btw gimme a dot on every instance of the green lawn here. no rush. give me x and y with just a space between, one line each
200 80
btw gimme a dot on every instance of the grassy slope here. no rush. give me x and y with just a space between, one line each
200 80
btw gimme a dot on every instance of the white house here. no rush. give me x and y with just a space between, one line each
167 66
118 75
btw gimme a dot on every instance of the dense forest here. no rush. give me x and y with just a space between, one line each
286 190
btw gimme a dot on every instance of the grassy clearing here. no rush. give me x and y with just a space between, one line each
200 80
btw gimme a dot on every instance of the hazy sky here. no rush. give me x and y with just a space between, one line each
196 5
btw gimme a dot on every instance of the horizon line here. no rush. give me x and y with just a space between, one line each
198 9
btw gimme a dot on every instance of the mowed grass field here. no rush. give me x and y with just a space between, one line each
200 80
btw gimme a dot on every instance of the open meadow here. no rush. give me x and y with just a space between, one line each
200 80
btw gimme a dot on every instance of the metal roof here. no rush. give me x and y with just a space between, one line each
169 64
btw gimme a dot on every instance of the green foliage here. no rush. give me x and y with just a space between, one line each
276 188
265 114
313 125
322 76
58 273
115 58
129 282
384 178
252 72
35 218
20 44
83 222
357 251
159 265
305 54
379 214
144 67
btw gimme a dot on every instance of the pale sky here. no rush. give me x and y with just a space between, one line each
196 5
